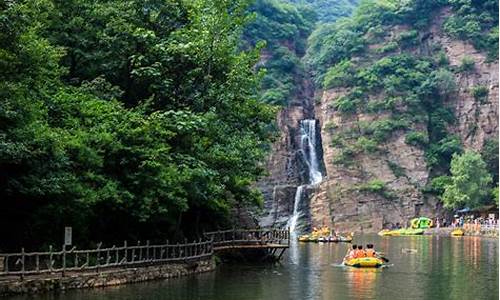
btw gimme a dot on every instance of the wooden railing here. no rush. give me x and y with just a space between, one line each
75 260
248 236
67 260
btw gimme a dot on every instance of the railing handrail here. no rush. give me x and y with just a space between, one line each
73 259
273 235
99 258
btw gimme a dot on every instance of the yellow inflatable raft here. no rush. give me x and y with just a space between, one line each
364 262
457 232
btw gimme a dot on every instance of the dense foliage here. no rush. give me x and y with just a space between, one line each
329 11
284 29
136 113
469 182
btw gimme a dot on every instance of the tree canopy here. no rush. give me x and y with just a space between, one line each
126 112
469 184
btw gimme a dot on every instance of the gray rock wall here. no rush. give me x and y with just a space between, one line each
110 277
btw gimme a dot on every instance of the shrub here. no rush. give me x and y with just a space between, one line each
381 130
366 145
341 74
417 138
376 186
441 59
373 186
408 39
396 169
467 64
349 103
389 47
345 157
480 93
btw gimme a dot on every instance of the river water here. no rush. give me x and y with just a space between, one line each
436 268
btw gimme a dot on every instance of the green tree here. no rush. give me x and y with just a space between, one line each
495 195
469 182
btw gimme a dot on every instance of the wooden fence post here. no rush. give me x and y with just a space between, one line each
147 250
98 256
50 258
37 262
234 236
63 260
6 262
125 251
140 250
22 264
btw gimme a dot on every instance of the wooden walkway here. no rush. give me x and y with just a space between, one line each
72 261
274 242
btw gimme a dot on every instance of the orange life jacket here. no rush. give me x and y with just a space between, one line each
360 253
370 253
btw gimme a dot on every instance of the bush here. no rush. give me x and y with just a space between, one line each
439 183
408 39
345 157
381 130
396 169
376 186
441 59
417 138
373 186
389 47
467 64
480 93
341 74
366 145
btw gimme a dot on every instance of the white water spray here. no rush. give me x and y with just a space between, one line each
308 142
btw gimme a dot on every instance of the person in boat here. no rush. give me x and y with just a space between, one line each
360 252
351 253
370 252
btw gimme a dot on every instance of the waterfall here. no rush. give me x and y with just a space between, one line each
296 207
308 143
308 147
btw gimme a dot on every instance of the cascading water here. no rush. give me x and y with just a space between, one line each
308 144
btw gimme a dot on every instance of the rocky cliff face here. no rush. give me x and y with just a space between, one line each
338 203
280 185
286 164
476 120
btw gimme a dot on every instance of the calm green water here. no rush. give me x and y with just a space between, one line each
442 268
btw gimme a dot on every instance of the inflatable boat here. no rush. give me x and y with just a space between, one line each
401 232
457 232
364 262
325 239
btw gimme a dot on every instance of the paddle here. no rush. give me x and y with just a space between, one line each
384 259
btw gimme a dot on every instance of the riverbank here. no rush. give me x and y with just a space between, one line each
468 231
38 272
77 280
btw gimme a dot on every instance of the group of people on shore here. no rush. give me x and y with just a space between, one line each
465 220
357 251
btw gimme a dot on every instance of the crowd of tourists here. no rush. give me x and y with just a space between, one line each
466 221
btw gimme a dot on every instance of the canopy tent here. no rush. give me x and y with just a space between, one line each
463 211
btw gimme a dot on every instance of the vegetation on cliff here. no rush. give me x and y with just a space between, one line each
283 28
125 119
329 11
383 66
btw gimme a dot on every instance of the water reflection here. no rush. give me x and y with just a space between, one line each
362 282
441 268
